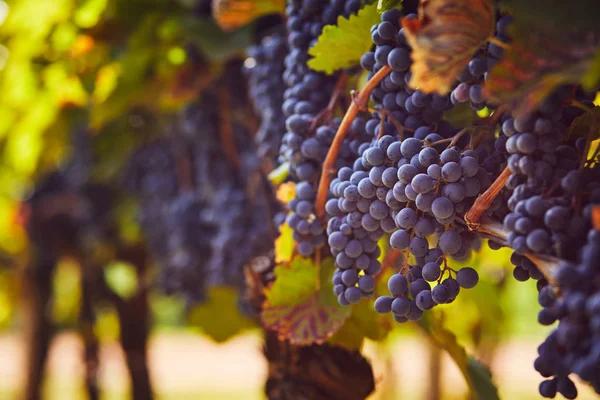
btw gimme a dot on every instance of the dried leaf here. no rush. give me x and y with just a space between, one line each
538 60
444 38
232 14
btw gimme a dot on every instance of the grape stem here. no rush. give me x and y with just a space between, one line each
499 43
452 139
485 199
360 102
226 130
328 111
498 233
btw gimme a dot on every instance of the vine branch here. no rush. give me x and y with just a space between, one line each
485 199
498 233
360 102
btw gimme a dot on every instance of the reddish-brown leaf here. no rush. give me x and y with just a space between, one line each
538 60
300 304
444 38
232 14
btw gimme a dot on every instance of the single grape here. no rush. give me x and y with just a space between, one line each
398 285
467 277
383 304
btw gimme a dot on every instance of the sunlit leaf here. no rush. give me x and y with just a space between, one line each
66 285
342 45
279 174
444 38
286 192
232 14
89 13
539 59
284 245
121 278
300 304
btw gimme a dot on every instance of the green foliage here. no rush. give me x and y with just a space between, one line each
341 46
219 316
66 285
121 278
300 304
591 78
279 174
477 376
364 323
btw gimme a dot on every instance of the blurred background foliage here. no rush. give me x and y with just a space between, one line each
125 66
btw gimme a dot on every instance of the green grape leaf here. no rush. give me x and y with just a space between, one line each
223 302
341 46
364 322
300 304
481 380
279 174
477 375
538 60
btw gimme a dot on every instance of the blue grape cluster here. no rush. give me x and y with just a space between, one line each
552 194
307 140
410 108
434 188
573 347
413 191
264 69
192 225
545 178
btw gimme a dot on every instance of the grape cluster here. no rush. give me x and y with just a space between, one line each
553 190
197 203
309 136
264 69
545 178
573 347
409 189
405 106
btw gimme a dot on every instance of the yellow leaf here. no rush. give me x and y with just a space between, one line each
286 192
284 245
